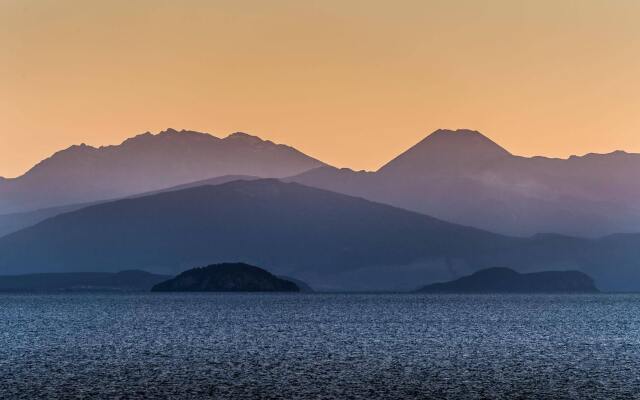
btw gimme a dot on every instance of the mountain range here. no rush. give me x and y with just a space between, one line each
459 176
464 177
330 240
453 204
144 163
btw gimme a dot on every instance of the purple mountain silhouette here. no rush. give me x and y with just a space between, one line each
464 177
144 163
459 176
329 240
454 151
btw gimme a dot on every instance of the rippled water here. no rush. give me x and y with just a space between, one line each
319 346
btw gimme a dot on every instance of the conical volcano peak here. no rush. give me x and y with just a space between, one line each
445 147
445 132
462 139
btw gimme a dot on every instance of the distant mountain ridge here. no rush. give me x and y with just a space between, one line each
506 280
459 176
330 240
144 163
464 177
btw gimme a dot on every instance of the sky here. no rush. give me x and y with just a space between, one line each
353 83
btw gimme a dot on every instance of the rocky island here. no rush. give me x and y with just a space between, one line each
505 280
227 277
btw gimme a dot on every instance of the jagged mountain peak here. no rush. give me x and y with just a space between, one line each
144 142
243 137
185 135
171 135
147 162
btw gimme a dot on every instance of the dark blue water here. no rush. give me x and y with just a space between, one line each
319 346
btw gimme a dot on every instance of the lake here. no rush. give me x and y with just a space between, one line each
306 346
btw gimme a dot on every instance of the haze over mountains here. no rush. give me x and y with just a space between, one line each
330 240
144 163
464 177
458 176
505 280
14 222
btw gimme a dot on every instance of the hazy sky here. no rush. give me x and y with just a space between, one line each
350 82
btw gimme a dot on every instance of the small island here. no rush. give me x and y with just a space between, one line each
226 277
505 280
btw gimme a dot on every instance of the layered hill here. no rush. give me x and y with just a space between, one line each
464 177
145 163
458 176
330 240
10 223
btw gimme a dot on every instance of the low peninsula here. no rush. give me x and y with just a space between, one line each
126 281
505 280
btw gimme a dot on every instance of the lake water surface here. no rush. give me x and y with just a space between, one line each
299 346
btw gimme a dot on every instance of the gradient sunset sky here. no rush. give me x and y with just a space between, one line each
352 83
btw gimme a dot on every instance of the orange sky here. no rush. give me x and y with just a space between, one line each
350 82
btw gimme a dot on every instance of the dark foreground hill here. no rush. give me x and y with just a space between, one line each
10 223
330 240
505 280
72 281
227 277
